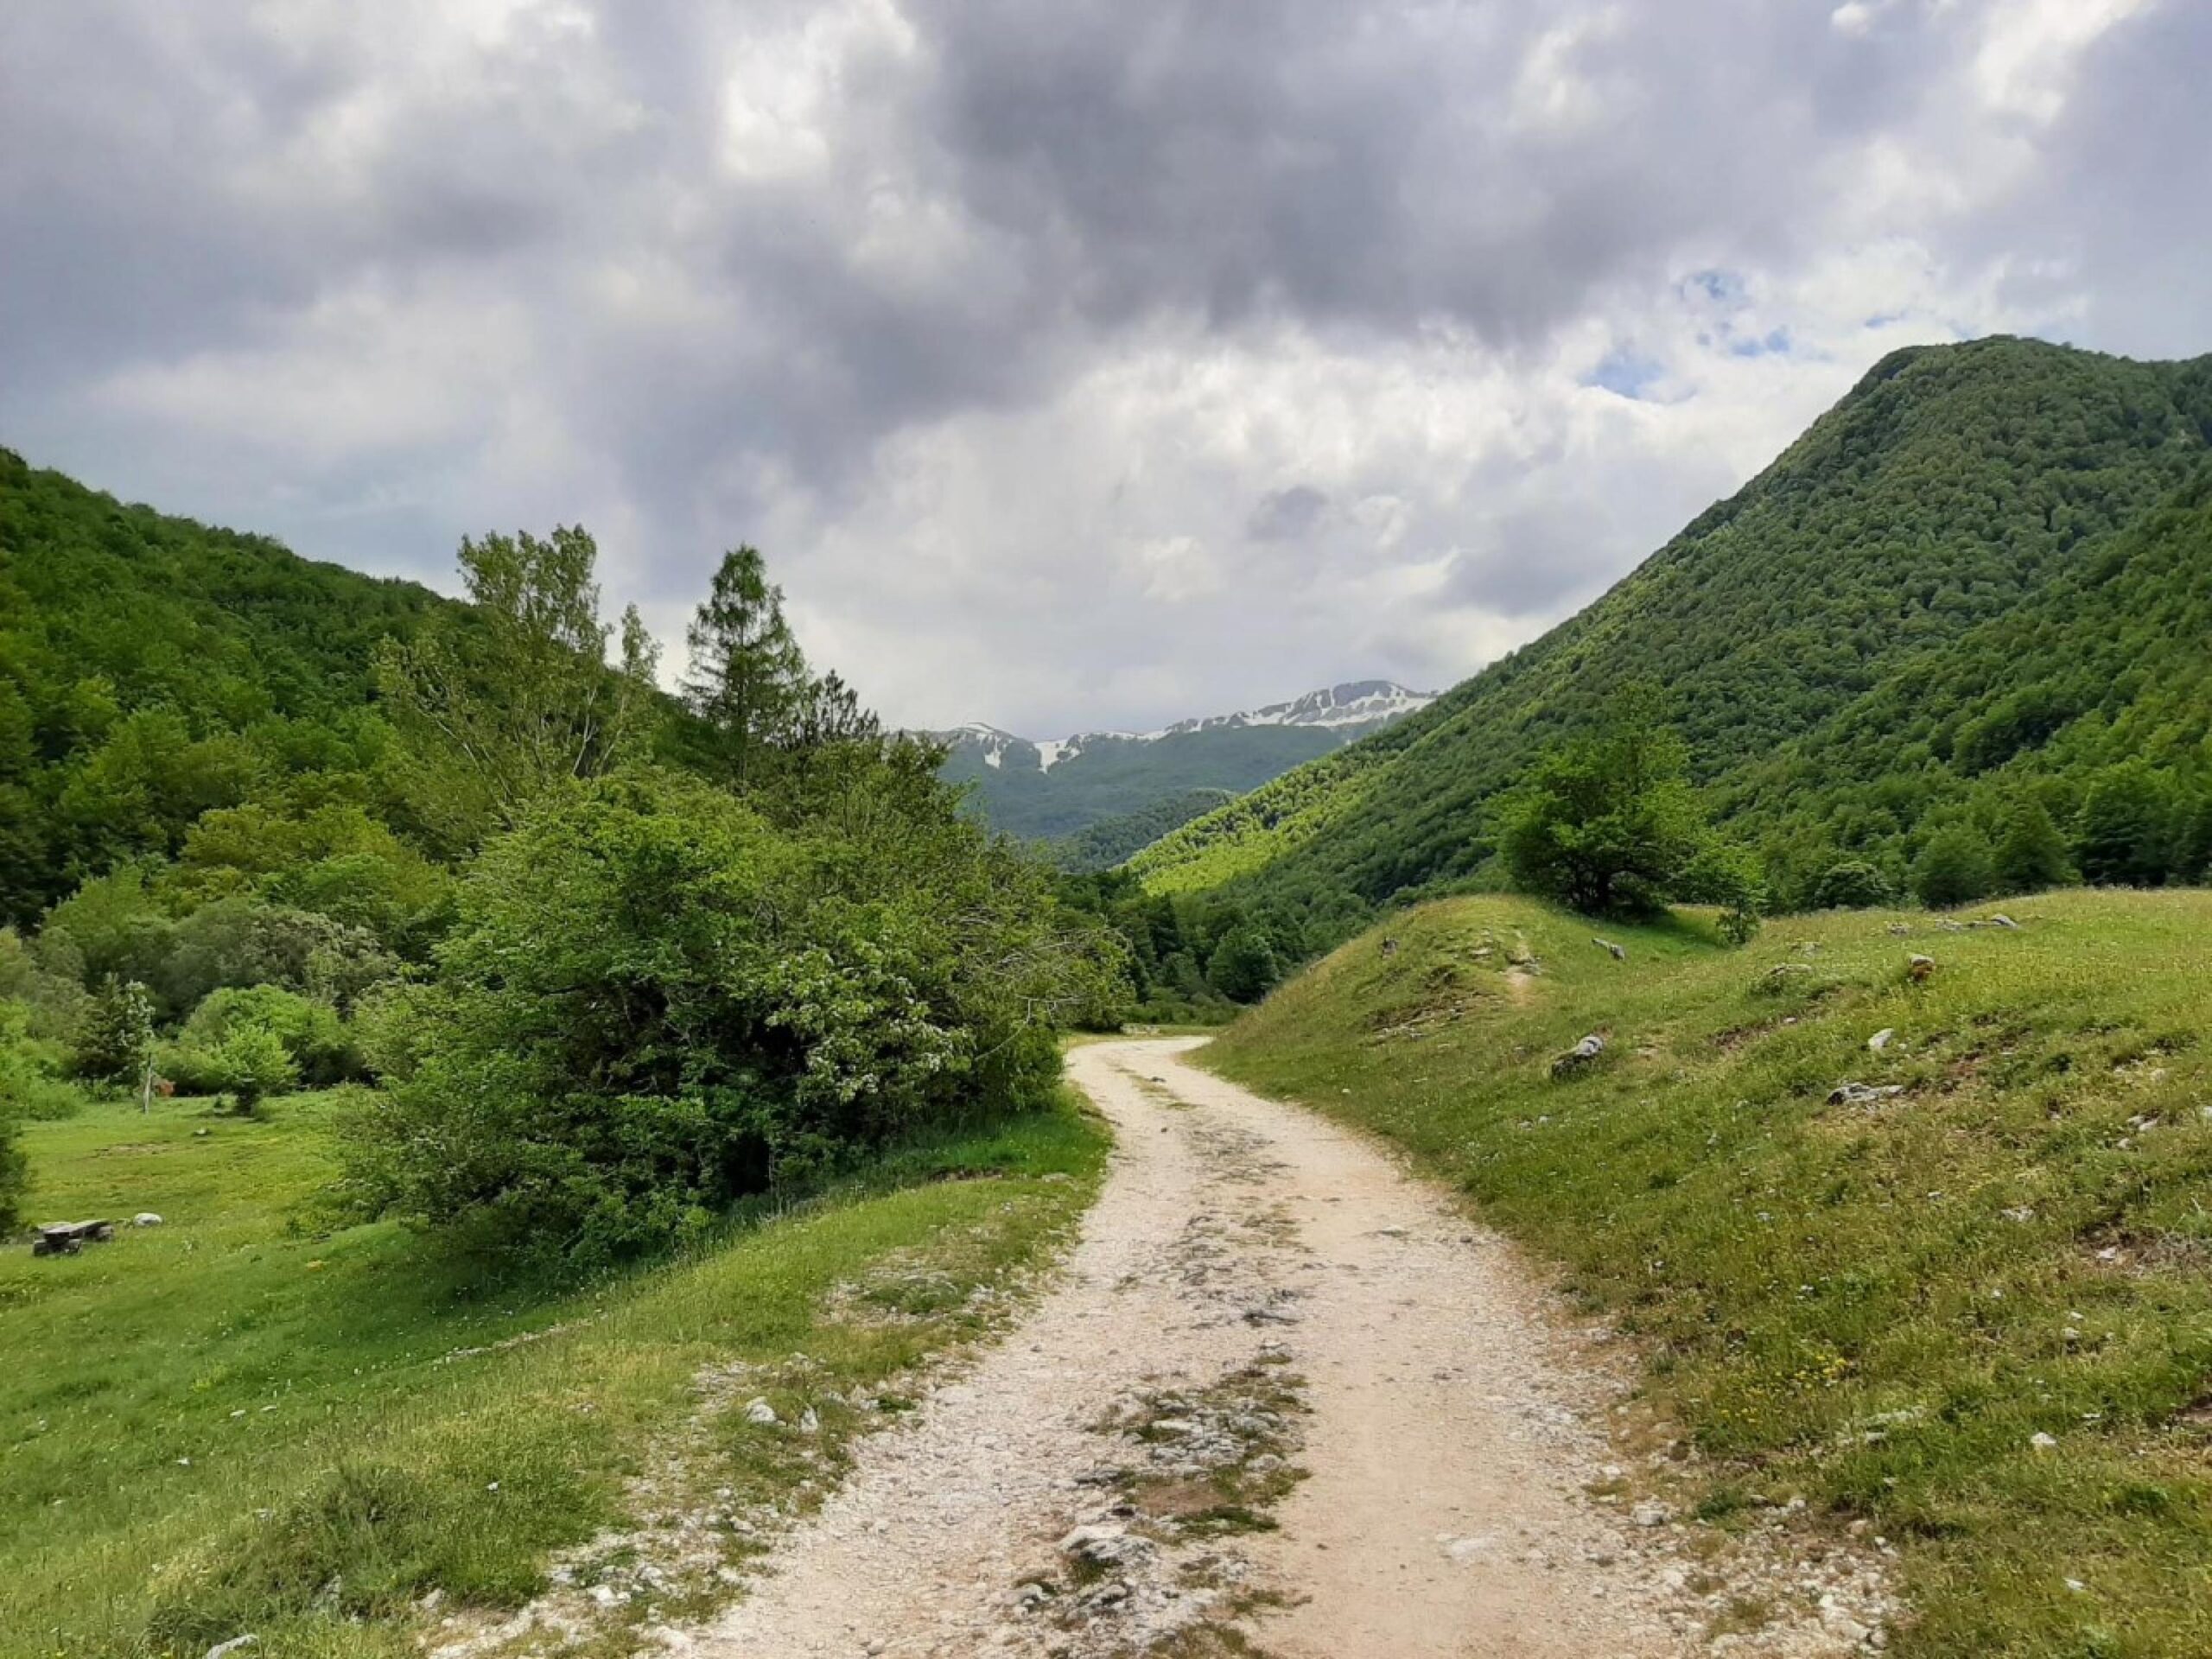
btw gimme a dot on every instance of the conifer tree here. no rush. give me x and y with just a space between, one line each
748 678
2032 855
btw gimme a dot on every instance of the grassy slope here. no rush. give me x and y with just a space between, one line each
1949 485
334 1436
1876 1306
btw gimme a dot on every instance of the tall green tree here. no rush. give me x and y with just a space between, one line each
502 705
118 1043
1952 868
1243 967
2125 828
1607 822
2031 857
748 679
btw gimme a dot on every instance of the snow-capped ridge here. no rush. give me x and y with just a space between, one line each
1351 708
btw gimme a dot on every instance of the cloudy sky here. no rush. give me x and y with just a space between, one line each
1098 362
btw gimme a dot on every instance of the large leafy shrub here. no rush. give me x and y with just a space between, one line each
203 1059
656 1000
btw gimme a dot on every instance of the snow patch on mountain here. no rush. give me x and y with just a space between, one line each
1355 707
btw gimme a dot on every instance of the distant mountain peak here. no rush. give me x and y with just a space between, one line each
1351 705
1353 702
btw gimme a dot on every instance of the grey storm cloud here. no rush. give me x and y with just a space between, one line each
1286 515
1025 336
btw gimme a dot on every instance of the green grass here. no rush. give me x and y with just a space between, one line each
235 1422
1878 1307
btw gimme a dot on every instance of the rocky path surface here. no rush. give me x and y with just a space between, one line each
1285 1396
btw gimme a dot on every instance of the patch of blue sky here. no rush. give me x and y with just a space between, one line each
1774 342
1627 373
1721 287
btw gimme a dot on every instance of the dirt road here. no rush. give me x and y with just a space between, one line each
1282 1390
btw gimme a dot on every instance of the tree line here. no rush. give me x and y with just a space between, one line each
595 960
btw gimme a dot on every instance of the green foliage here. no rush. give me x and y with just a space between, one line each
1952 868
368 1421
2125 836
334 859
1110 842
310 1033
1728 876
250 1063
656 1001
151 668
836 960
1607 822
1243 965
32 1070
747 681
241 942
117 1042
1990 565
2031 857
1171 941
1851 884
515 697
14 1173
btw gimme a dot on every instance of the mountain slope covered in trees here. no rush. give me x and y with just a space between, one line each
152 668
1957 510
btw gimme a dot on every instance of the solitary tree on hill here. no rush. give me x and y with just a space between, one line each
1607 822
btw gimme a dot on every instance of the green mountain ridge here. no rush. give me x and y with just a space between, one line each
1957 495
152 667
1062 788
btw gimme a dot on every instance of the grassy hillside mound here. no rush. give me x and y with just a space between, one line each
238 1422
1956 1286
1953 485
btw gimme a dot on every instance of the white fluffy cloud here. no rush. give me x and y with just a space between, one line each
1091 365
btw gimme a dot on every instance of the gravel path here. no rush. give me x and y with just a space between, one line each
1259 1292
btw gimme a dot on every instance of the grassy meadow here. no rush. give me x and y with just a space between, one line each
1974 1314
244 1422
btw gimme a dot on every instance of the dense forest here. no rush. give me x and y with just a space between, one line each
1112 840
600 960
152 669
1966 608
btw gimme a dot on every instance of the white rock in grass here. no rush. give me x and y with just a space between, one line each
236 1644
2041 1441
759 1411
145 1219
1881 1040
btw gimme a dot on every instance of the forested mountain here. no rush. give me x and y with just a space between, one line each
1111 840
1954 583
152 668
1049 788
